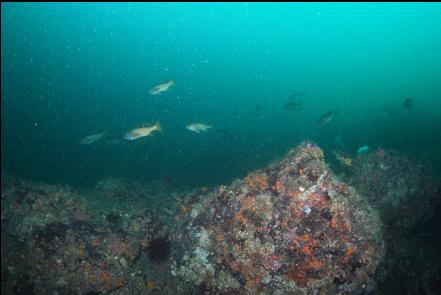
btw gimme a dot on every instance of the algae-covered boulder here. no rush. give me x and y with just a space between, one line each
291 228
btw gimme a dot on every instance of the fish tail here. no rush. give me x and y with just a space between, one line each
158 126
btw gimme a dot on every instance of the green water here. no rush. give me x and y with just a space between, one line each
71 70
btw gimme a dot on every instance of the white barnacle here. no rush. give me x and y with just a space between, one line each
306 209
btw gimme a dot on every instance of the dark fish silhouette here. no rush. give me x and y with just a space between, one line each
408 103
294 103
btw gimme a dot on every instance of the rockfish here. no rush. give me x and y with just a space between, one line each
326 118
94 137
142 132
162 87
198 127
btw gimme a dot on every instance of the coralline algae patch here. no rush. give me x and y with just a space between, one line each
290 228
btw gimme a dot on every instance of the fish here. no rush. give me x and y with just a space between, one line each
162 87
362 150
142 131
294 103
408 103
198 127
326 118
94 138
343 158
293 106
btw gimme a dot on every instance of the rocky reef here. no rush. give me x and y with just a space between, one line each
291 228
53 243
398 186
408 200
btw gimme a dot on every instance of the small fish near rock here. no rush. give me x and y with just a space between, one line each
343 158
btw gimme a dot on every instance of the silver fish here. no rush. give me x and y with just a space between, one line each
326 118
198 127
162 87
94 138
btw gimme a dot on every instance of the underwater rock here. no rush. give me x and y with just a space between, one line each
407 197
413 265
27 206
291 228
400 187
48 237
